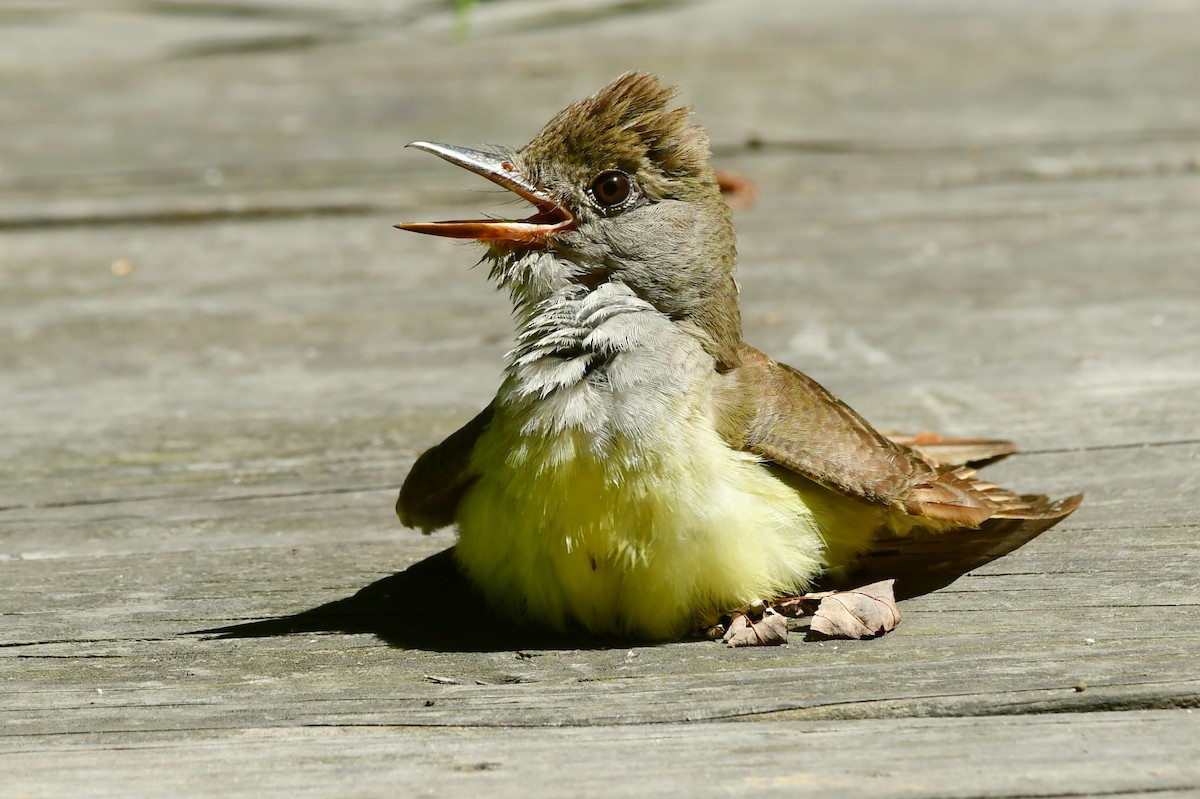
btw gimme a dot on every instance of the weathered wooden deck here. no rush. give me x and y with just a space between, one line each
219 361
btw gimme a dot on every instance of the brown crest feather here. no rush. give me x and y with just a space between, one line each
627 125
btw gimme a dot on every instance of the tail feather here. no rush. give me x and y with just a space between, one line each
941 451
924 559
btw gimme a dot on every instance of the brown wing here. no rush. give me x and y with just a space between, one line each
435 484
795 423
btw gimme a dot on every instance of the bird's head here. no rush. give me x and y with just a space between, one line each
623 190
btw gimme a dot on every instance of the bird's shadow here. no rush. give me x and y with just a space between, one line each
431 606
428 606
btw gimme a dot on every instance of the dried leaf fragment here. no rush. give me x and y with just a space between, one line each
769 630
865 612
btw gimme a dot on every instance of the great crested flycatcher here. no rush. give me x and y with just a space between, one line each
642 470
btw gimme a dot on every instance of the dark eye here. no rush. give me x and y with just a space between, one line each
610 187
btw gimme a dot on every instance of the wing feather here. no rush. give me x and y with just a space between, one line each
794 422
430 495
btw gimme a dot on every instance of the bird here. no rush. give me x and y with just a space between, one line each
642 470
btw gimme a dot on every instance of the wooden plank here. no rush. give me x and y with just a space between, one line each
1083 606
1109 754
1030 97
219 361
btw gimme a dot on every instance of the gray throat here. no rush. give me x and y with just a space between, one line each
602 362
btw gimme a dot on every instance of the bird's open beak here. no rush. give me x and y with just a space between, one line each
551 216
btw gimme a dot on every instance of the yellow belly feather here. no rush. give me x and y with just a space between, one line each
651 538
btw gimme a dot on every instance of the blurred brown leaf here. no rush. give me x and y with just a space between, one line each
738 190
